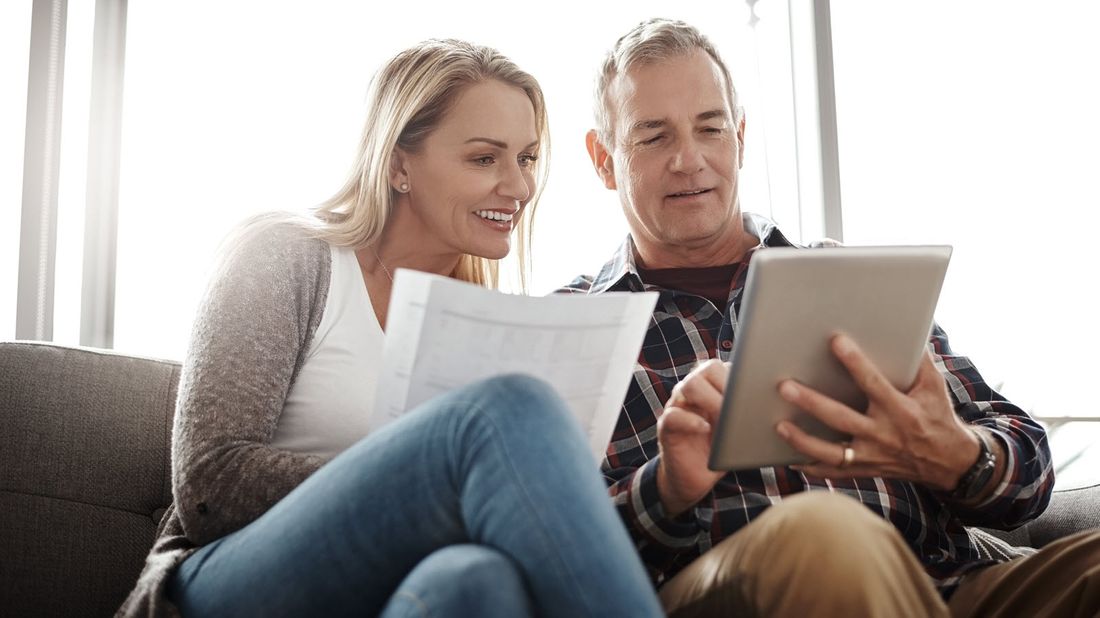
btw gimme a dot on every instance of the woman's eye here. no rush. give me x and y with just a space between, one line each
484 161
527 160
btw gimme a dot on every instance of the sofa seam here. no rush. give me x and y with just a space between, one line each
80 502
1076 489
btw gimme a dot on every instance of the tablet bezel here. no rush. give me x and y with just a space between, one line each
883 297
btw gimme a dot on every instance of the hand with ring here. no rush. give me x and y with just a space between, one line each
911 435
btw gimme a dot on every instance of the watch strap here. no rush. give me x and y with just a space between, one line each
977 477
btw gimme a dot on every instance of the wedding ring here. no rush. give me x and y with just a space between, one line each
849 456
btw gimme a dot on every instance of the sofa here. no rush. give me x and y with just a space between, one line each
85 478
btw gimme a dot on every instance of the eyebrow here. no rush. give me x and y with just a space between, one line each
712 114
498 143
643 125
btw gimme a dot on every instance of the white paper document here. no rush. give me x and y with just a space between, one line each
442 334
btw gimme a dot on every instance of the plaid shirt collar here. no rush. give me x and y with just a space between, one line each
621 271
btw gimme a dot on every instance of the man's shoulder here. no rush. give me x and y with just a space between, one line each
580 285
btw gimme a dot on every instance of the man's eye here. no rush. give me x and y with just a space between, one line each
652 140
712 130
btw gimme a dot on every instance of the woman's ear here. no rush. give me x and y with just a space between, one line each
399 175
602 160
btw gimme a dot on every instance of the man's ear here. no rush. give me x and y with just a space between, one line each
601 160
399 175
741 141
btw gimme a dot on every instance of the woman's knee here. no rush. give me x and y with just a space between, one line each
461 580
519 388
518 402
477 566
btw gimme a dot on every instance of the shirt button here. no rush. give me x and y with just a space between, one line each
727 344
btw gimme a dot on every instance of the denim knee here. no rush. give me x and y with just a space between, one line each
517 396
525 387
461 580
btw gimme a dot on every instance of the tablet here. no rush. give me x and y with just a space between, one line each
795 300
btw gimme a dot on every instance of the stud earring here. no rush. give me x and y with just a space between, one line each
404 188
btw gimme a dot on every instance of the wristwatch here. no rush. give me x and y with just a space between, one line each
975 479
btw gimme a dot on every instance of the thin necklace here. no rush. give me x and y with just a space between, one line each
382 264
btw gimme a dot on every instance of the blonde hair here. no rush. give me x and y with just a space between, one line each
409 97
652 40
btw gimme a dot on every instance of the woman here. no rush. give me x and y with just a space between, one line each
483 502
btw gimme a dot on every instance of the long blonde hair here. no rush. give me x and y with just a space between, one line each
409 97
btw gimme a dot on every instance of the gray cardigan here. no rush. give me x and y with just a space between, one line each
248 343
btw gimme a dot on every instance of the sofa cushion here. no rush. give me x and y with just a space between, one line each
84 474
67 558
1070 511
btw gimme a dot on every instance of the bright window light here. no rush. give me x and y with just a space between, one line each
975 125
15 44
72 179
236 108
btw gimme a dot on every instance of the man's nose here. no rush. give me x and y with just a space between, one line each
688 158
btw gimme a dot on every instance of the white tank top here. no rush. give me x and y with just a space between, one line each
326 409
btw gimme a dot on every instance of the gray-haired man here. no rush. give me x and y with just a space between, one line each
923 463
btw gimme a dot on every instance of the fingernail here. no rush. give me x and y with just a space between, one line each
782 430
788 390
842 344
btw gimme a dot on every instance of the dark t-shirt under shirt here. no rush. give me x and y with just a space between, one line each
711 282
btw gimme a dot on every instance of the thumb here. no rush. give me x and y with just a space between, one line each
678 421
927 373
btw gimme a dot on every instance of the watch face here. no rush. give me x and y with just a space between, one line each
988 465
977 477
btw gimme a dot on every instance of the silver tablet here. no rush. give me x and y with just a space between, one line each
795 301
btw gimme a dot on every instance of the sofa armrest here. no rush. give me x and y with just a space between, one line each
1070 511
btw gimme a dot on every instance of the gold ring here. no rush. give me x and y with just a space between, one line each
849 456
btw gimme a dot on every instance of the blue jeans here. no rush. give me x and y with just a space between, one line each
483 502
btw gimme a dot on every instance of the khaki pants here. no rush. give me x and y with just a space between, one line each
823 554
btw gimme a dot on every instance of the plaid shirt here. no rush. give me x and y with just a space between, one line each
687 329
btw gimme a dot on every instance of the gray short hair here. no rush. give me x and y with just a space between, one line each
653 40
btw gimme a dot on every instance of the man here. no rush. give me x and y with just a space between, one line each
924 463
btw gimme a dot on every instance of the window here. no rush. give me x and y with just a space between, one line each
974 124
15 42
261 108
72 180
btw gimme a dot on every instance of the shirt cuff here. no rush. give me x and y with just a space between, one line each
649 515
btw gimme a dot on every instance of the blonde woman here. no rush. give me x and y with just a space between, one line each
484 502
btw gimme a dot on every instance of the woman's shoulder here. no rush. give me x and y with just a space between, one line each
275 238
283 227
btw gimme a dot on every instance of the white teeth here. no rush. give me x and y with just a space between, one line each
493 215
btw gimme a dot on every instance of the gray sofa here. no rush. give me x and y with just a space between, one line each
84 477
